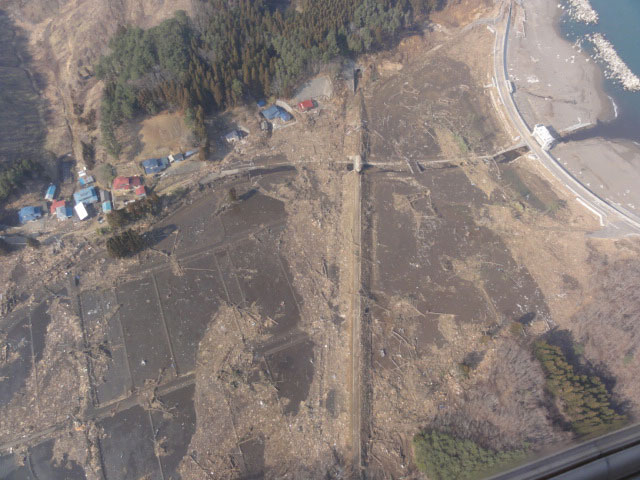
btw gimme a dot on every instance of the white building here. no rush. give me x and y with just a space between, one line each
81 211
543 136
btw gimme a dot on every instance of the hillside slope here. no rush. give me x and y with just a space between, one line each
65 38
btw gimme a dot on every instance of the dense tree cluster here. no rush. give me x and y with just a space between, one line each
587 404
11 177
125 244
135 211
444 457
239 47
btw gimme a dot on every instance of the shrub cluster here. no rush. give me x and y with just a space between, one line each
125 244
444 457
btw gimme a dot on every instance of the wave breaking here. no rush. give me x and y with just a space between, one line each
615 68
582 11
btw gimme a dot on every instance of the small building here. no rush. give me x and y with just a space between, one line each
126 183
233 136
285 116
543 136
56 205
81 211
190 153
64 212
178 157
105 196
306 105
86 180
107 206
29 214
272 112
141 191
51 192
155 165
261 103
86 195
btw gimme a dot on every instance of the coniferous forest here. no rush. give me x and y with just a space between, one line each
238 48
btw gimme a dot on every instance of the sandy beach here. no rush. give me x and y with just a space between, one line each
556 84
559 86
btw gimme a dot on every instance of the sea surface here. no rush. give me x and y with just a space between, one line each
620 24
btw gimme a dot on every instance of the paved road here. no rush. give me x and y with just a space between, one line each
617 221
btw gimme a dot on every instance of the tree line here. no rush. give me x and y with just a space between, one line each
237 48
13 176
586 402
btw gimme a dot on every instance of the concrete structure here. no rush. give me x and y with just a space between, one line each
29 214
81 211
105 196
64 213
86 195
543 136
155 165
51 192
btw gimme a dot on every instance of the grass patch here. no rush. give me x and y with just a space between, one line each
462 143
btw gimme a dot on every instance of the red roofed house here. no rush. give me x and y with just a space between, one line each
56 204
126 183
306 105
141 191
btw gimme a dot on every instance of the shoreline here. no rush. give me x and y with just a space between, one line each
557 84
571 95
609 110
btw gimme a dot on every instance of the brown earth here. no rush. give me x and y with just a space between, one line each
465 259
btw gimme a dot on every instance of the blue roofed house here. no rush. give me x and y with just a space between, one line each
86 180
29 214
285 116
261 103
155 165
86 195
272 112
107 207
51 192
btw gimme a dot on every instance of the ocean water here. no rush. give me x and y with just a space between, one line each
620 23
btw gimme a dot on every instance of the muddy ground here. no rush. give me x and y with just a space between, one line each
467 257
309 323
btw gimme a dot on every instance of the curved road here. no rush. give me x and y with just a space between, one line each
620 222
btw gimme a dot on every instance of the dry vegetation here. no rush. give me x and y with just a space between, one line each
477 379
